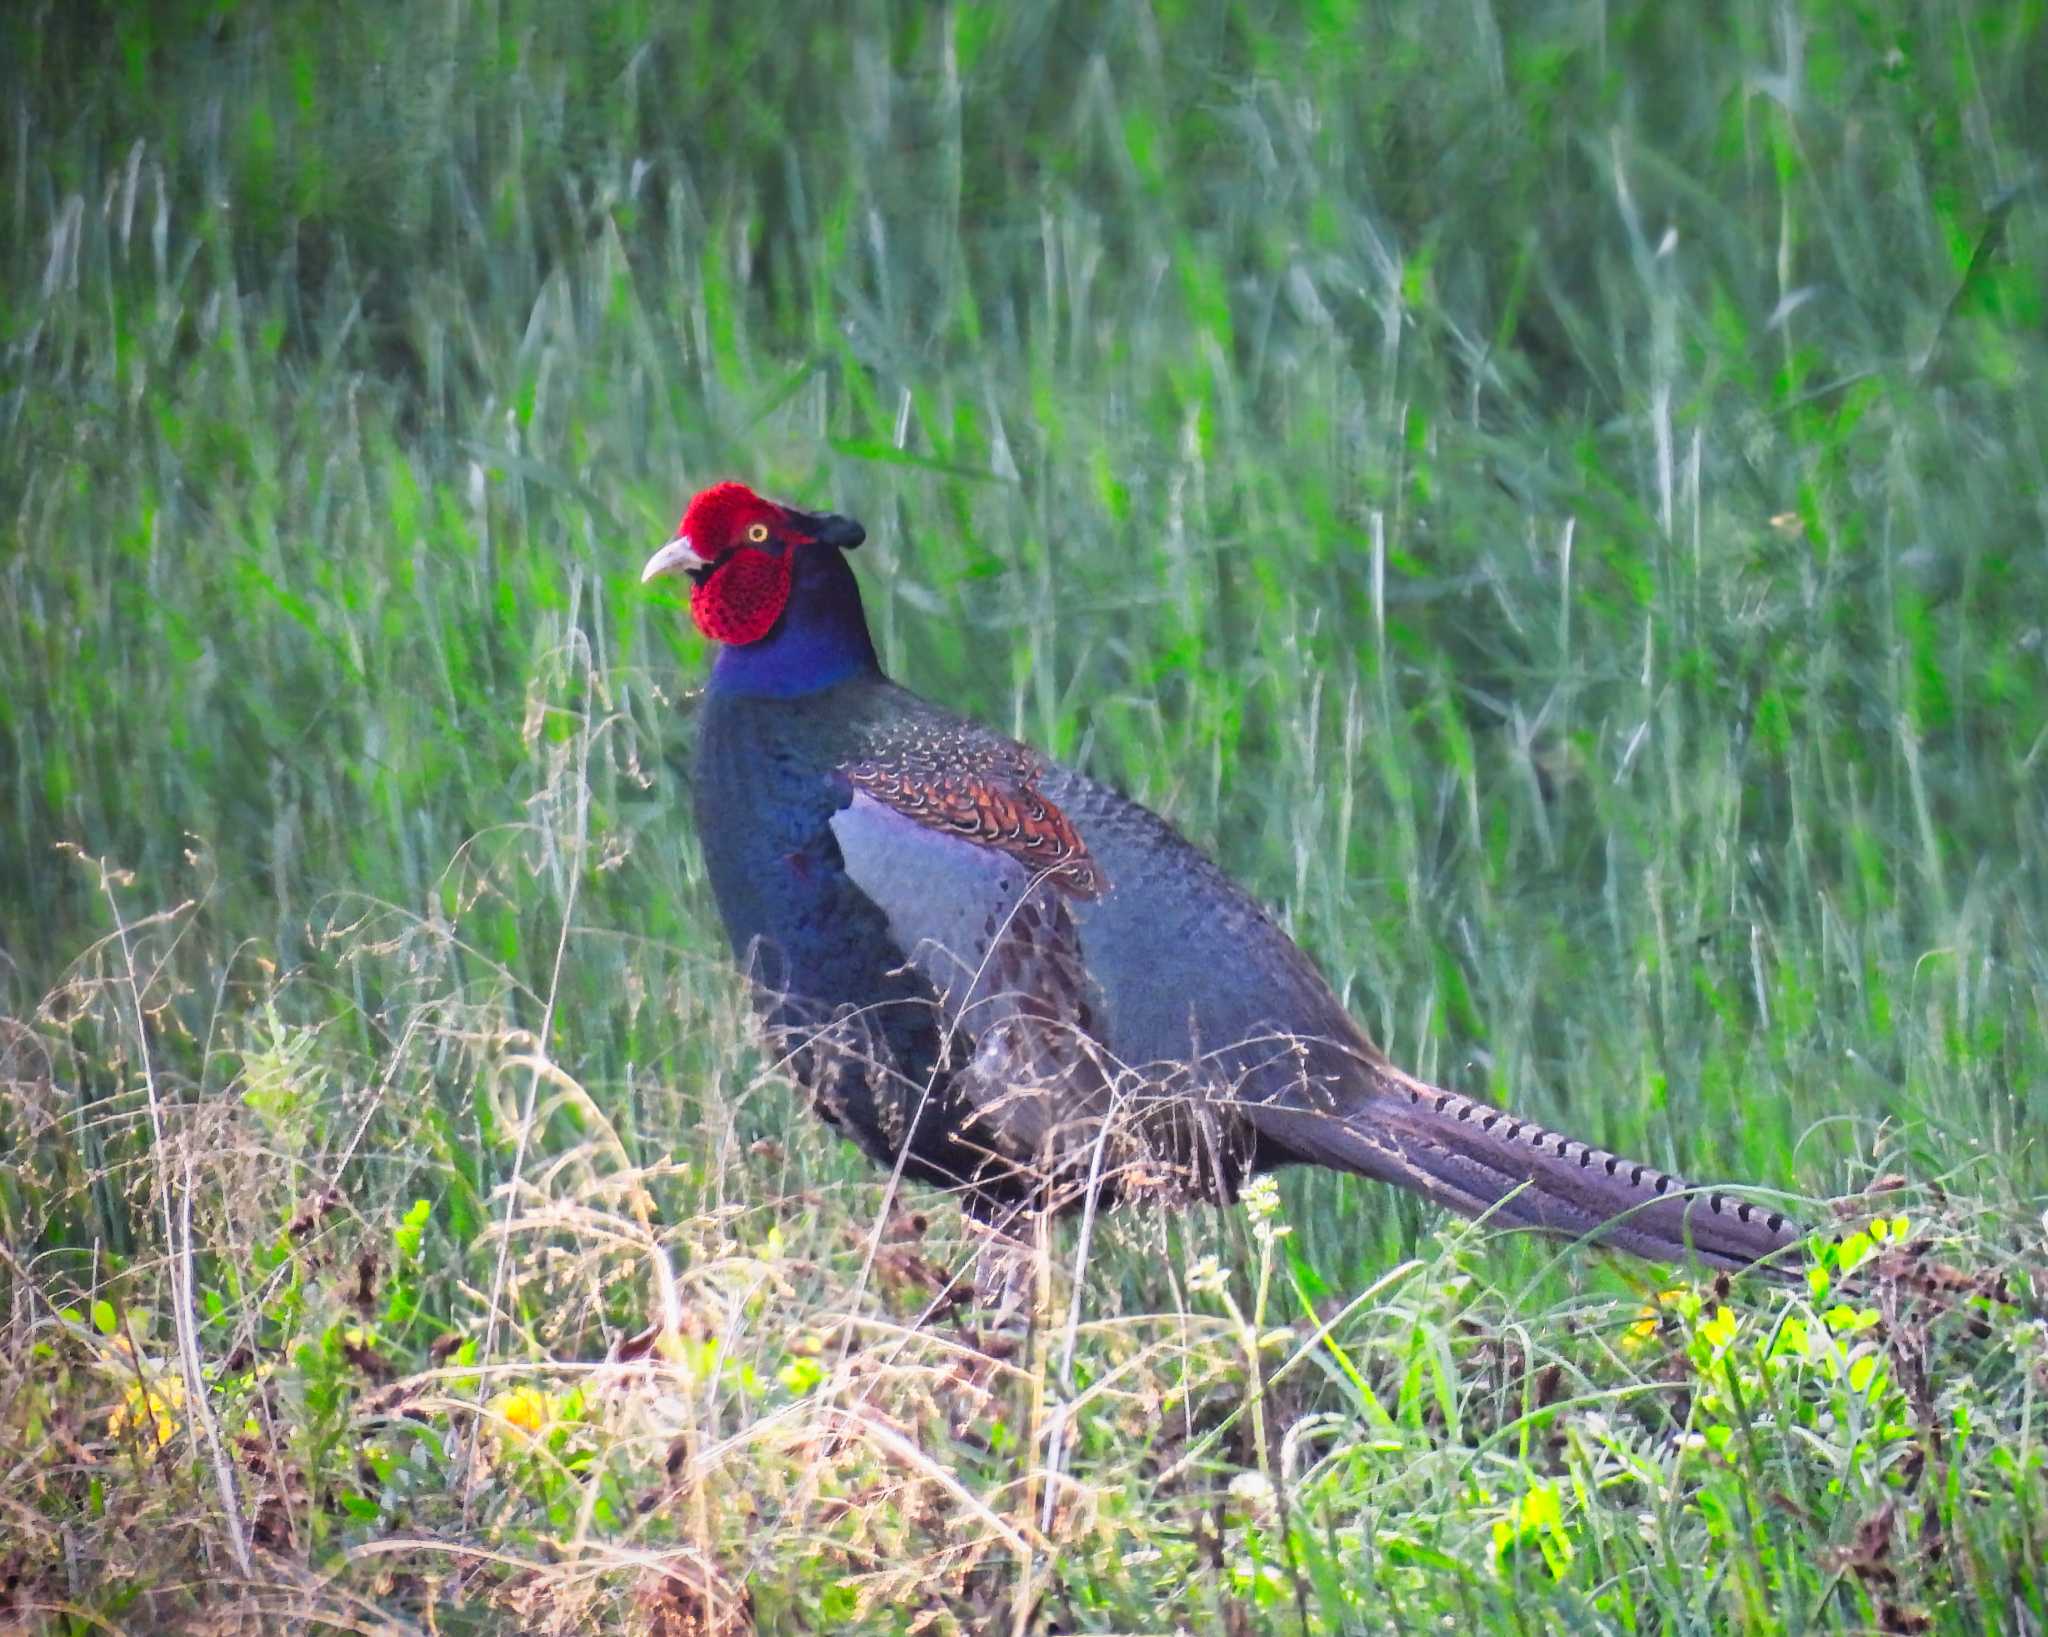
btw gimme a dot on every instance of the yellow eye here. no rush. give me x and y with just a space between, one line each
758 533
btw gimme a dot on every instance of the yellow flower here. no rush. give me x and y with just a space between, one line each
1644 1330
153 1406
522 1413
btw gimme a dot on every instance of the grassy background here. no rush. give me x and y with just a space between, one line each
1553 496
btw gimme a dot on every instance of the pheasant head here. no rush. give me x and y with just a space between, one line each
744 555
771 586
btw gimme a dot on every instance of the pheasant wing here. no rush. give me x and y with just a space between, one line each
986 794
976 876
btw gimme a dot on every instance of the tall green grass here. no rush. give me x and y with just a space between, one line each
1552 497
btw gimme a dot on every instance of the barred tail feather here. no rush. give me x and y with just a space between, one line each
1482 1161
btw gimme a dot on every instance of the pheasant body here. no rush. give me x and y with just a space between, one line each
1013 981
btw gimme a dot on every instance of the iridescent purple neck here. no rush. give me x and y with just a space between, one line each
821 638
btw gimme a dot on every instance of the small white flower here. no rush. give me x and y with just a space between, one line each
1207 1278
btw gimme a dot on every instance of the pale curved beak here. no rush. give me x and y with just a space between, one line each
674 558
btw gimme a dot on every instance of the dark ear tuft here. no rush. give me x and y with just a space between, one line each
828 529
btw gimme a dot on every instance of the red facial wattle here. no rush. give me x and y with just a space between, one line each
740 599
741 553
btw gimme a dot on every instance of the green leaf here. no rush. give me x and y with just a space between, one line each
409 1232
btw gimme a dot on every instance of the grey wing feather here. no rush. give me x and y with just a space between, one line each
998 944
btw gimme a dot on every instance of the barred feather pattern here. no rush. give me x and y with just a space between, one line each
992 799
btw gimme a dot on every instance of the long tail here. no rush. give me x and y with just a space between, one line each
1482 1161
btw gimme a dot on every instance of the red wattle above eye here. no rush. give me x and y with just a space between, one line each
742 598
